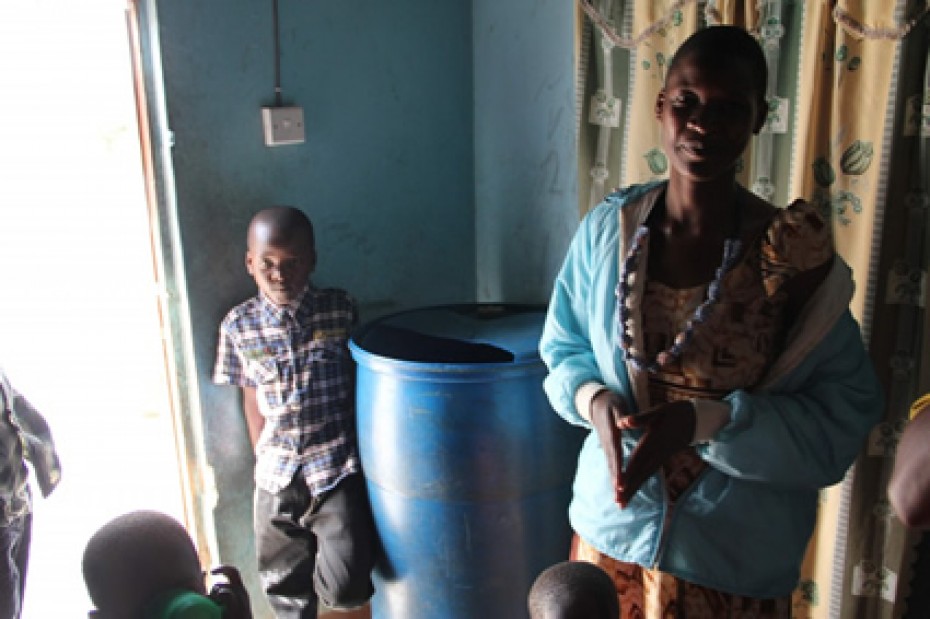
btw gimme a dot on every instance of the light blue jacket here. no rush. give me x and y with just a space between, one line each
744 524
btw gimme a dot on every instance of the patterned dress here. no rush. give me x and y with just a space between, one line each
731 350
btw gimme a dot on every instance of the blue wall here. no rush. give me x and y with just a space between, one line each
525 158
386 172
416 111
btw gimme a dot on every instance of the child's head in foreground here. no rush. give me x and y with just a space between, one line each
281 252
573 590
134 558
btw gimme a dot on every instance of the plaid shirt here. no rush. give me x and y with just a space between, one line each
298 361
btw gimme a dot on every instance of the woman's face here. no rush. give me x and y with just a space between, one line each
708 111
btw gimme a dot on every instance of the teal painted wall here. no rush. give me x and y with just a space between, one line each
525 157
386 172
438 166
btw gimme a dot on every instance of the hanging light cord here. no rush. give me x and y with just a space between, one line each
277 55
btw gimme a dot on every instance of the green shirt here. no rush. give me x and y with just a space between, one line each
181 604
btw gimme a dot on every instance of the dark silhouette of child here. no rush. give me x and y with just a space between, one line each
143 565
573 590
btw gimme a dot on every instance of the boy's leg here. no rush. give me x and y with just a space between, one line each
286 550
14 558
345 532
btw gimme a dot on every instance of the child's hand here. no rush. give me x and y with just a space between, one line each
231 595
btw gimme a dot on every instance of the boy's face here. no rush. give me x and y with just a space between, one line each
708 111
279 263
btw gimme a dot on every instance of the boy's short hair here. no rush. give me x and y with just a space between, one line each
286 221
136 556
573 590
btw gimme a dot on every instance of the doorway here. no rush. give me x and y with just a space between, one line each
79 324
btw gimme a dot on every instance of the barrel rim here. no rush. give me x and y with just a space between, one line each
371 359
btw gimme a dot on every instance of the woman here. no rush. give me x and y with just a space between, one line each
705 337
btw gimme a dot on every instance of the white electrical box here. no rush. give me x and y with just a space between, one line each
283 125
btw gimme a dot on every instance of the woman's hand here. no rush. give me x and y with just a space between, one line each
607 409
667 428
231 595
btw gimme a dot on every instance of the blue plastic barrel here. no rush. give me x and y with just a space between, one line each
469 470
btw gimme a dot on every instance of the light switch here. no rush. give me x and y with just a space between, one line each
283 125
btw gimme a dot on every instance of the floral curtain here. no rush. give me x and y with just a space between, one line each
848 129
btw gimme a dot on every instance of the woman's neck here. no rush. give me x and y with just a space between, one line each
689 232
695 209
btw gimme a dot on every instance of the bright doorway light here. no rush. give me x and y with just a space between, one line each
79 332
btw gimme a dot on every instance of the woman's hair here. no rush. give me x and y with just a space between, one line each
723 44
136 556
573 590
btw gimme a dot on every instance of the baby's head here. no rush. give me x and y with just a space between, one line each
134 558
573 590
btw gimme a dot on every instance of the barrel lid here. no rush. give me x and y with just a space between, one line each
462 333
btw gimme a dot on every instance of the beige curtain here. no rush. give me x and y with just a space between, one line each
848 129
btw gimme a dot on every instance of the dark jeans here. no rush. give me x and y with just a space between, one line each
14 558
311 547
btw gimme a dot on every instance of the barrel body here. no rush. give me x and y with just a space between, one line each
469 470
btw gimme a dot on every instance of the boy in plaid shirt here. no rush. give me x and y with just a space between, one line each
286 348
